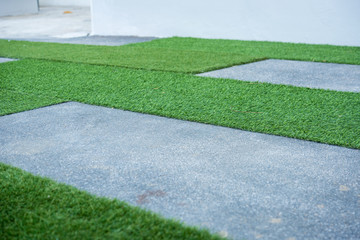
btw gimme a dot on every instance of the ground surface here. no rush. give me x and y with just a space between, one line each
246 184
51 22
59 24
243 184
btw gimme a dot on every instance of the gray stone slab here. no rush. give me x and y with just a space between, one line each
249 185
340 77
2 60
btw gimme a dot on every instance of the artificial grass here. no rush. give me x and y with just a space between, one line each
312 114
263 49
17 101
129 56
26 211
32 207
187 55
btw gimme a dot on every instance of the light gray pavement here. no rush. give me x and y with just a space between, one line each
340 77
92 40
2 60
49 22
250 185
53 24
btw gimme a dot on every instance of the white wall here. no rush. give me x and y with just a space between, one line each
309 21
82 3
18 7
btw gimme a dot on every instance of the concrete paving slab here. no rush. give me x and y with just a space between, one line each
56 22
91 40
249 185
2 60
340 77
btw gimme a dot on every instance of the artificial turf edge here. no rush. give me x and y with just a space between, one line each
33 207
318 115
184 55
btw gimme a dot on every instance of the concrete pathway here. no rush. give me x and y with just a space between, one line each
92 40
51 21
61 25
249 185
340 77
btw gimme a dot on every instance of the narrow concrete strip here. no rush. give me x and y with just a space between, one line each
340 77
247 185
2 60
91 40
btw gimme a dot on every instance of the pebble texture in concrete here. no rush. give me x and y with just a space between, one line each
340 77
249 185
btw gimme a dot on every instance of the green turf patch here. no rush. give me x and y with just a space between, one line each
187 55
16 101
261 49
32 207
311 114
131 56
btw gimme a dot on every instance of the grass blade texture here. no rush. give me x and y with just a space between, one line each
32 207
187 55
132 56
312 114
261 49
155 77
